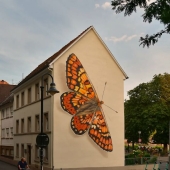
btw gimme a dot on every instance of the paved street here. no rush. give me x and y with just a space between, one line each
5 166
163 166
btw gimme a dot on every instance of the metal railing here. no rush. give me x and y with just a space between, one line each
140 160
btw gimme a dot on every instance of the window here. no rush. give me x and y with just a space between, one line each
11 152
29 124
11 110
37 152
7 132
22 125
37 123
7 112
17 102
11 131
17 150
17 126
3 133
22 99
3 151
22 150
46 154
37 94
46 122
7 152
29 95
3 114
45 87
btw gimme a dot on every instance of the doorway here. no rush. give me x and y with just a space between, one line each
29 154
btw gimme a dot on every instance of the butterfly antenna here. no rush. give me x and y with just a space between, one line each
110 108
104 90
102 98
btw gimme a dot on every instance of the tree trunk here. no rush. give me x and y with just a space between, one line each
133 145
165 148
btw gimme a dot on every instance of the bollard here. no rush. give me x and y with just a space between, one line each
159 166
146 165
154 166
167 165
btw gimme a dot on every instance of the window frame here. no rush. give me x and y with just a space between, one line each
46 122
29 124
17 126
37 92
29 95
17 101
22 99
22 125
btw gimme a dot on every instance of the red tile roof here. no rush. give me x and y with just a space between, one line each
9 99
5 91
46 63
3 82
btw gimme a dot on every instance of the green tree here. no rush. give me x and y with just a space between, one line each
162 130
148 110
136 117
158 10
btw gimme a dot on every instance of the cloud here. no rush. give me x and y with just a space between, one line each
124 38
97 6
106 5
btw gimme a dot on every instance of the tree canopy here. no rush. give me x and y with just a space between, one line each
158 10
148 110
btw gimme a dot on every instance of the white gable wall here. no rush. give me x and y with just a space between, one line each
70 150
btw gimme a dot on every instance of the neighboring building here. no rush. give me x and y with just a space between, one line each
5 89
65 149
6 109
6 123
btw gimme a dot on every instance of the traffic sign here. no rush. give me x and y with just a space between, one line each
140 140
42 140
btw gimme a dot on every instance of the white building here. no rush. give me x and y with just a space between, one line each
6 117
67 150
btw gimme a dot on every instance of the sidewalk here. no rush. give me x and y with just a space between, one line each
7 164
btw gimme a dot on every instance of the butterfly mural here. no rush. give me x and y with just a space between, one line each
84 105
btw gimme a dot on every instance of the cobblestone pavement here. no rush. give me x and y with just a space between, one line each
163 166
5 166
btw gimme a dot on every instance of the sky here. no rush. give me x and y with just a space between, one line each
33 30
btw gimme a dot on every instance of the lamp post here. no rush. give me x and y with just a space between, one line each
42 139
139 136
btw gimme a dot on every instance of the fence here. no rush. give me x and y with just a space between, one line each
140 160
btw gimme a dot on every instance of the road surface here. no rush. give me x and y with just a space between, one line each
5 166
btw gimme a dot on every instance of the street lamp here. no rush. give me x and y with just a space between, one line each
42 139
139 136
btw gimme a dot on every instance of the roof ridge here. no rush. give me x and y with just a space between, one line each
46 63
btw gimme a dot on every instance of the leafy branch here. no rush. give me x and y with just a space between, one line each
158 10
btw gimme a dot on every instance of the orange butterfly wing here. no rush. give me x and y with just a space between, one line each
99 132
84 105
77 79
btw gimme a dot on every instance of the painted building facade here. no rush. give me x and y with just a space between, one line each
65 149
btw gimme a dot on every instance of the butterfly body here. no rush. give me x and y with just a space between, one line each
83 103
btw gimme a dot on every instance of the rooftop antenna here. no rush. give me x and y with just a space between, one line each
22 76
